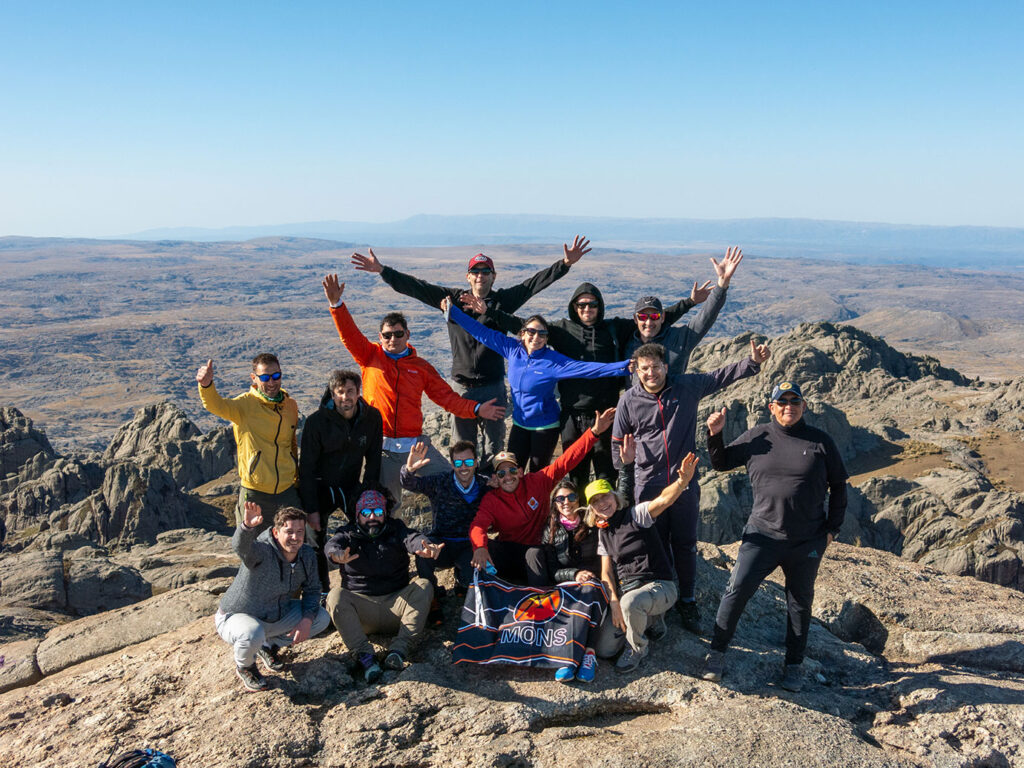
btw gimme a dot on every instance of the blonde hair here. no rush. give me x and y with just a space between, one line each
590 517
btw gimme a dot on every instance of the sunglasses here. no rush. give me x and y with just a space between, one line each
377 512
784 401
641 316
513 471
481 271
265 377
586 305
535 332
566 498
392 335
464 463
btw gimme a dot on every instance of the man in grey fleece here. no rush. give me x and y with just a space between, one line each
258 614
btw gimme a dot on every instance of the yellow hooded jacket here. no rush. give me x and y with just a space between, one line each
264 435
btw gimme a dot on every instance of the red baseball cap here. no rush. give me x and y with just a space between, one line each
480 259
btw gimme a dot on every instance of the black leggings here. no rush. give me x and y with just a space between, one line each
532 446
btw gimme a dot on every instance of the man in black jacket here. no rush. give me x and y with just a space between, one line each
376 594
791 465
339 441
478 371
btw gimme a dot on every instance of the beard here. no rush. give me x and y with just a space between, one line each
373 529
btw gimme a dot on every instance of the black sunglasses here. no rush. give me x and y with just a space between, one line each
392 334
265 377
481 271
782 401
535 331
564 499
587 305
464 463
513 471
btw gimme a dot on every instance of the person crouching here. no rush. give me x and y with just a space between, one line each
376 594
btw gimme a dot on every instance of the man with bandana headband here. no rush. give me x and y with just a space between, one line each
376 594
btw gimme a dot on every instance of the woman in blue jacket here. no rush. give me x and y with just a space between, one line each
533 372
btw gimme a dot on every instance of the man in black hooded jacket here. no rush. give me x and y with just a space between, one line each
586 334
339 441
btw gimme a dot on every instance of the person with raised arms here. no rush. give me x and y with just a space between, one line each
661 413
395 378
263 420
533 371
478 372
791 466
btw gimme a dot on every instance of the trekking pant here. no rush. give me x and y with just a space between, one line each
533 447
640 604
405 612
391 464
269 503
456 553
492 433
759 555
678 528
607 639
248 634
511 558
574 424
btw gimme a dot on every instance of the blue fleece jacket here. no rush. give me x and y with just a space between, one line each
532 378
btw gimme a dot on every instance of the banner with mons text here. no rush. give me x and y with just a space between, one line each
506 624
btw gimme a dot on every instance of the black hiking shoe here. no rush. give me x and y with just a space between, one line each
371 669
689 617
793 678
714 666
251 678
269 659
394 660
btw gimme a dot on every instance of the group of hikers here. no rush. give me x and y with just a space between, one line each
617 508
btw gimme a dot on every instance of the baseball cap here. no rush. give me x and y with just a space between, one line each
596 488
503 457
480 259
786 386
648 302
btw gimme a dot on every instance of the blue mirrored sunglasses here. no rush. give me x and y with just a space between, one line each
265 377
378 512
464 463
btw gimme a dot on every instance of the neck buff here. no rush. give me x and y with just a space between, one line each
569 525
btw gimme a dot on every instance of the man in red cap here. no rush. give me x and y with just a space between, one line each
478 371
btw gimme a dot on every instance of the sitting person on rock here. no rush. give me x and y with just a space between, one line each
569 553
518 509
376 594
791 465
454 500
635 566
260 613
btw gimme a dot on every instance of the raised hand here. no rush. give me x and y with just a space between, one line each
253 514
490 411
301 631
493 482
603 420
627 451
430 550
473 303
759 352
333 289
699 294
580 248
687 468
343 557
716 421
417 457
725 269
583 576
446 304
367 263
205 374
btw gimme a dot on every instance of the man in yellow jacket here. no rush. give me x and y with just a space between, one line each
264 421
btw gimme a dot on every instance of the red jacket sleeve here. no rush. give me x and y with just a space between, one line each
440 392
355 342
570 457
481 523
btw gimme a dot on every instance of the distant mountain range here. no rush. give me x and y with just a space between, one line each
974 247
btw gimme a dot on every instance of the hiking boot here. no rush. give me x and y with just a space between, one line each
629 660
658 628
435 616
689 617
371 669
587 670
565 674
251 678
714 666
269 659
394 660
793 678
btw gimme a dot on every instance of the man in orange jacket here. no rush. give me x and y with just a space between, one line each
519 507
394 381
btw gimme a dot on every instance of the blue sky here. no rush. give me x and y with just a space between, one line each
117 117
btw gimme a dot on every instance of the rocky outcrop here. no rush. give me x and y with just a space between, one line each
161 436
24 450
29 506
181 557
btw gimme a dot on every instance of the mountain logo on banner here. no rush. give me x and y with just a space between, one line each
539 608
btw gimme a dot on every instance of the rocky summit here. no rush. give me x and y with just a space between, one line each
114 563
